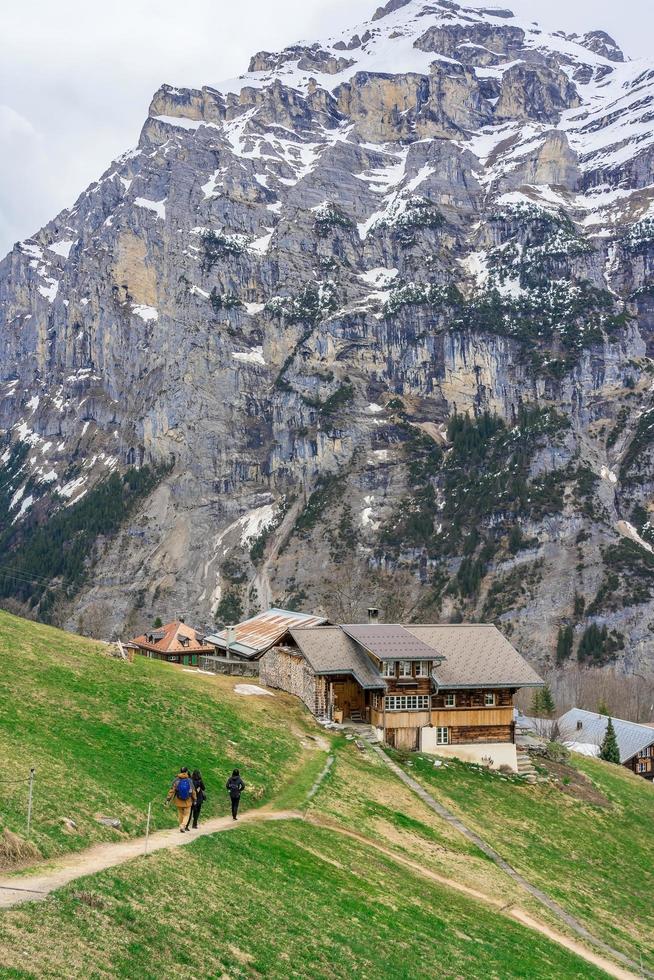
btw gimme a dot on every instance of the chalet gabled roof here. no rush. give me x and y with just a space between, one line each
175 637
475 656
256 635
631 737
389 641
328 650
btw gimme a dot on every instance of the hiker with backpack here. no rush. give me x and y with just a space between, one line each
182 792
200 797
235 787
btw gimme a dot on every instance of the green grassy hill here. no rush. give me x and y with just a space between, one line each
106 736
353 890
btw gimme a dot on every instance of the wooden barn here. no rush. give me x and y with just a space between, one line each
445 689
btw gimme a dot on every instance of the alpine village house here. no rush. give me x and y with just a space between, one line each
445 689
441 689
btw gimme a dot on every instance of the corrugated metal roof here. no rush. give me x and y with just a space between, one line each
388 641
631 737
475 656
328 650
256 635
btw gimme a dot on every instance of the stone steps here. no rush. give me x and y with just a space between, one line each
526 768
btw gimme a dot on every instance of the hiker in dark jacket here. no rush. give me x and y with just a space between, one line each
235 787
182 793
200 797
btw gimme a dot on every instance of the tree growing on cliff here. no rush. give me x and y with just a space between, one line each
564 644
609 750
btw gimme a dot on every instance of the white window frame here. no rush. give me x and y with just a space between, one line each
642 767
404 665
442 736
422 668
388 668
449 700
491 695
407 702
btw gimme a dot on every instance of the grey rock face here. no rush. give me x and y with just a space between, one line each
292 291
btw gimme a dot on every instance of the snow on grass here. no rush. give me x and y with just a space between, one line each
147 313
158 207
252 356
250 690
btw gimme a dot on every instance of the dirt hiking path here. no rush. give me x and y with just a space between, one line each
502 908
30 887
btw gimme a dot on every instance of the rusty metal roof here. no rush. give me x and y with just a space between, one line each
390 641
256 635
328 650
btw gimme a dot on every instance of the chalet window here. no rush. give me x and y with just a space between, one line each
388 668
442 736
642 767
375 700
489 699
422 668
407 702
450 700
405 668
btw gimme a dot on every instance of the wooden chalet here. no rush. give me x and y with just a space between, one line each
175 642
584 731
442 689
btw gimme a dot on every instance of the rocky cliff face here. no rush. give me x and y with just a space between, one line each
377 320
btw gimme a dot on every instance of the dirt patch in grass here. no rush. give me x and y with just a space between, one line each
573 782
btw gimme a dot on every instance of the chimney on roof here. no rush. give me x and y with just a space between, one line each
580 725
373 614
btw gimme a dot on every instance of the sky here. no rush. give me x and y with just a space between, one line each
77 76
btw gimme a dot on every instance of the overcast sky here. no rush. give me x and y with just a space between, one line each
76 76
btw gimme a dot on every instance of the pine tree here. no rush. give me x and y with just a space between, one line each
548 707
564 644
537 704
609 749
157 623
602 707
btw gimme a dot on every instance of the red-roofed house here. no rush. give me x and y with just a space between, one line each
175 642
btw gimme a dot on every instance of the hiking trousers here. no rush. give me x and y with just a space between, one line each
194 815
183 811
235 802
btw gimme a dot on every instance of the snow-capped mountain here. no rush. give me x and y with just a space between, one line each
374 324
